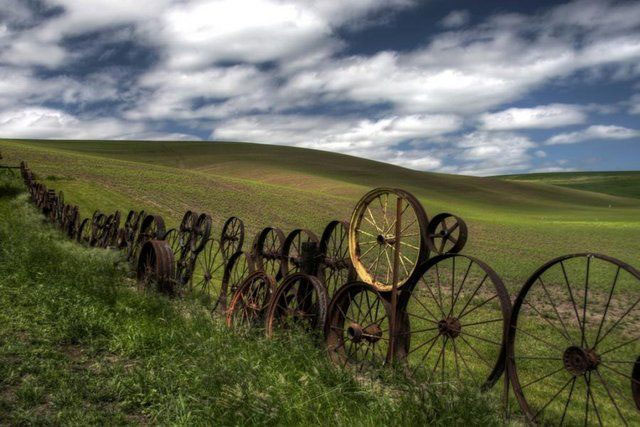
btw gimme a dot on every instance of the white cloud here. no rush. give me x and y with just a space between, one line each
373 139
47 123
541 117
595 132
456 19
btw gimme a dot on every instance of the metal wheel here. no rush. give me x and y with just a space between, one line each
249 303
151 228
357 331
300 301
132 235
208 271
155 266
452 322
335 268
573 342
186 228
292 257
236 271
232 237
381 218
447 234
201 233
267 252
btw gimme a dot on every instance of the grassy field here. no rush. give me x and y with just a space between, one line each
514 226
625 184
80 345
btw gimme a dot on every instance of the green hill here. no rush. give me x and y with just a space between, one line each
514 225
624 184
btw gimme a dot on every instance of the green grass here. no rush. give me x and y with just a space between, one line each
80 345
513 226
624 184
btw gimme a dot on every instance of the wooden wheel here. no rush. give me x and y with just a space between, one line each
357 330
299 302
232 237
293 261
573 342
335 268
381 218
452 322
447 234
249 303
267 252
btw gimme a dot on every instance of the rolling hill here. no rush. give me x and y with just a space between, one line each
515 224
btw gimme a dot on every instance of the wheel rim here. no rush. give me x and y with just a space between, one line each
372 237
357 328
582 366
293 261
232 237
268 252
300 302
335 269
201 233
208 271
236 271
447 234
453 322
249 303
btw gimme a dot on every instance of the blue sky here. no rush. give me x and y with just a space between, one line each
479 88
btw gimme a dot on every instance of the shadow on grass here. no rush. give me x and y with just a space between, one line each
9 190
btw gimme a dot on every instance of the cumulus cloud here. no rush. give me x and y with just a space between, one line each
541 117
283 74
594 132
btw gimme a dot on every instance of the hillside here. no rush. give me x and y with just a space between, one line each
514 225
624 184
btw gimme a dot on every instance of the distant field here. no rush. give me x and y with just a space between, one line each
513 225
624 184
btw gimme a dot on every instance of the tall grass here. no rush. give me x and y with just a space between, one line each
80 345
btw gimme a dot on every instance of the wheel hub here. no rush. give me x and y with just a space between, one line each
450 327
382 240
578 360
356 333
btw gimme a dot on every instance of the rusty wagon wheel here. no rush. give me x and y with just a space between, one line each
60 208
335 268
208 271
232 237
201 233
299 302
132 233
452 322
151 228
573 342
372 237
447 233
236 270
267 252
185 231
292 257
357 331
155 266
249 303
